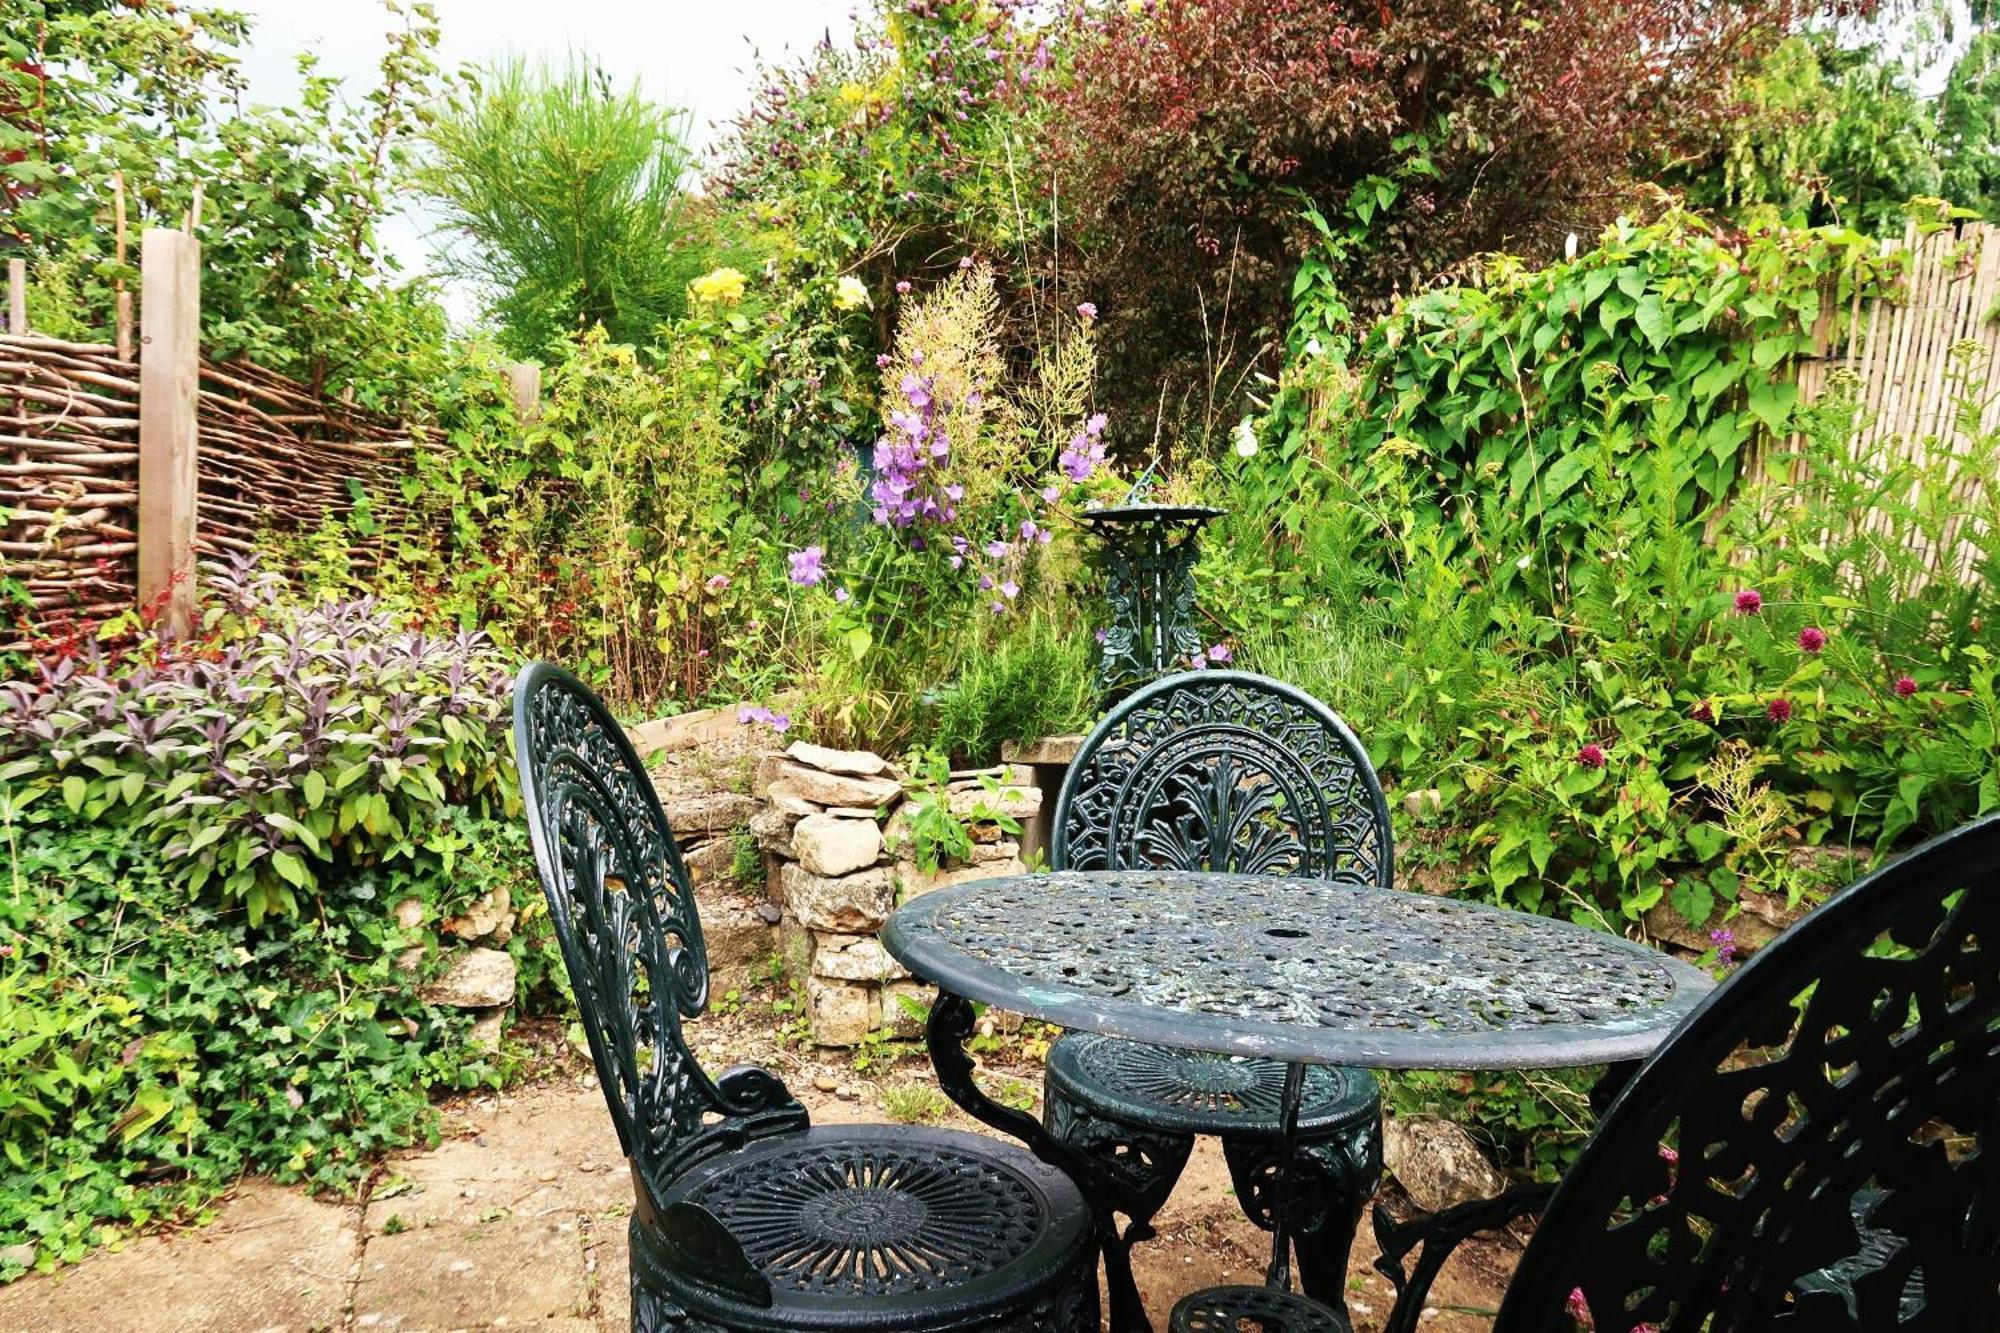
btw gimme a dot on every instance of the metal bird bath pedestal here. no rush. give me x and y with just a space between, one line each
1148 561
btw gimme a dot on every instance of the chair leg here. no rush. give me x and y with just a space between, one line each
1334 1178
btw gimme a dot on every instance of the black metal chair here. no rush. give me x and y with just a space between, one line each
1225 771
1809 1149
747 1218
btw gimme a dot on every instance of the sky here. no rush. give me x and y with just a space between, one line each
693 54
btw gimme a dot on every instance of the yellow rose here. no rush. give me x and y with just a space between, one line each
724 285
849 294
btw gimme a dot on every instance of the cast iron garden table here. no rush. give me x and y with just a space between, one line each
1302 970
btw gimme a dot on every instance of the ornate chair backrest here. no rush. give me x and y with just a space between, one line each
1808 1151
1224 770
625 915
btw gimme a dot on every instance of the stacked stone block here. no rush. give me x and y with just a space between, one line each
837 831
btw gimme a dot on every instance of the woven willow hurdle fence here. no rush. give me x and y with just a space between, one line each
118 475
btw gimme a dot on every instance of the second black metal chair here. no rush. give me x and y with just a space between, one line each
747 1217
1224 771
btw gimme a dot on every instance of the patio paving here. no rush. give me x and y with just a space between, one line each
517 1220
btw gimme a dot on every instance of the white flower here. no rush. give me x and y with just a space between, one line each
1313 348
1246 439
849 293
1524 562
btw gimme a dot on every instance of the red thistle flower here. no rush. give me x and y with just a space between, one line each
1905 687
1703 711
1812 639
1749 602
1780 710
1591 756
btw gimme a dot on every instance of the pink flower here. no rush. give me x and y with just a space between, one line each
1579 1308
718 582
1219 653
1749 602
903 288
1904 687
840 594
1086 311
806 571
965 261
1591 756
1780 710
1812 639
1050 494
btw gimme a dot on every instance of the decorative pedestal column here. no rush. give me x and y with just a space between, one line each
1148 561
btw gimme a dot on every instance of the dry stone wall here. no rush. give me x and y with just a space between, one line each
836 826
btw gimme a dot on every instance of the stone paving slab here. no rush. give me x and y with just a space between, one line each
550 1153
504 1274
272 1260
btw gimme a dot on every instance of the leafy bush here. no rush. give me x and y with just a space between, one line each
1633 676
226 861
289 750
294 276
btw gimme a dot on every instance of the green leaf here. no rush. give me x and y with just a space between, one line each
74 789
1651 317
1772 402
1708 840
288 865
1768 352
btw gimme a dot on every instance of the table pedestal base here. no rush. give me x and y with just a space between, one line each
946 1031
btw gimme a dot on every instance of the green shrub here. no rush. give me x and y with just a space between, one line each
227 860
1038 680
277 756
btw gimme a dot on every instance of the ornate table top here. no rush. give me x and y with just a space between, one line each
1296 968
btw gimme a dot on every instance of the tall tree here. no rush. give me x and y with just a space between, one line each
567 198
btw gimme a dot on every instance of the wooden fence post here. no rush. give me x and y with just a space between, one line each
169 389
17 296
